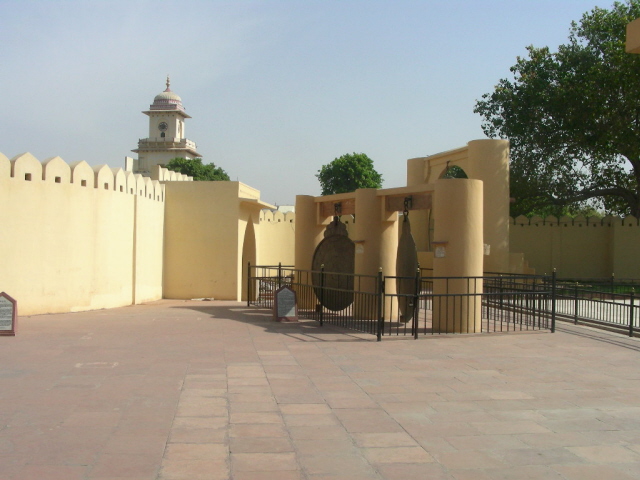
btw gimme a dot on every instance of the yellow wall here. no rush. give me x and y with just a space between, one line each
276 238
205 234
201 240
486 160
76 237
68 247
582 248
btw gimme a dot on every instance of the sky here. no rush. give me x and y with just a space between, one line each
276 89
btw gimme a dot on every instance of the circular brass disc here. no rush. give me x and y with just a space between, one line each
406 266
337 254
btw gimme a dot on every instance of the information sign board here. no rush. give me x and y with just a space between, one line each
285 306
8 315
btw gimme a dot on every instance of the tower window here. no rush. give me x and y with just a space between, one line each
27 177
162 134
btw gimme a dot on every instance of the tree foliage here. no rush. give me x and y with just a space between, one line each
573 118
348 173
455 171
196 169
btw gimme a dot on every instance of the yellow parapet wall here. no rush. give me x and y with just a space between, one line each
77 238
579 247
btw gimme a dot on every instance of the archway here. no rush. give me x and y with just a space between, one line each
454 171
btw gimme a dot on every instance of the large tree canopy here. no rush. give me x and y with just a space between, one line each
195 168
573 118
348 173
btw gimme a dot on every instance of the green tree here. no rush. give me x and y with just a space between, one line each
572 118
196 169
455 171
348 173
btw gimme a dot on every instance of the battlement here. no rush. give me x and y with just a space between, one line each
276 216
162 174
54 170
579 221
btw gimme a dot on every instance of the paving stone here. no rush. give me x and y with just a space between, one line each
152 392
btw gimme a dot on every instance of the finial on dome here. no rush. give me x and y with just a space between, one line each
168 83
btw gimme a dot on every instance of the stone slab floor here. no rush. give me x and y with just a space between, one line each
214 390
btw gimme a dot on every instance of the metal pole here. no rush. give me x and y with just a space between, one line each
248 283
553 301
575 304
416 304
380 305
321 294
633 294
279 275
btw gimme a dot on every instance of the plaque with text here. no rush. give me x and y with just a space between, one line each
8 315
285 306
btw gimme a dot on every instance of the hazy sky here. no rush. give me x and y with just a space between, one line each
276 88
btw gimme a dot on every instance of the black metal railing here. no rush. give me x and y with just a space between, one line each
470 305
582 303
497 302
355 298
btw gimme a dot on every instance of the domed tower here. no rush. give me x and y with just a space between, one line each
166 134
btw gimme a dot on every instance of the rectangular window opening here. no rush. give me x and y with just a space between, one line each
106 186
58 179
121 188
83 183
27 177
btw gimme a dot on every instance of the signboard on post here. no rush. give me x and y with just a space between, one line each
8 315
285 305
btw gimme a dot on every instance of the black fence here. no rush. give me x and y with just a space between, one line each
470 305
371 303
355 298
599 304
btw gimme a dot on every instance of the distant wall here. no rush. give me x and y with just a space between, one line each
201 238
76 237
276 238
579 247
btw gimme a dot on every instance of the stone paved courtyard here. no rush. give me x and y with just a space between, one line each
214 390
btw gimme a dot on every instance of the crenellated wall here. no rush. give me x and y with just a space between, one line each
276 237
579 247
75 237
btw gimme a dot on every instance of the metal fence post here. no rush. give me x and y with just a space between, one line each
248 284
279 275
416 305
380 305
553 301
613 278
321 294
575 304
632 301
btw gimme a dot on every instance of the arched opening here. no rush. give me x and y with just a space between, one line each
248 254
454 171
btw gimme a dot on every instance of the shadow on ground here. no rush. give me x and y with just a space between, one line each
304 330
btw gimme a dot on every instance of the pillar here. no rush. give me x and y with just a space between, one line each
308 235
376 236
458 235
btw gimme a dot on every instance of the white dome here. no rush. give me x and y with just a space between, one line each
167 100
